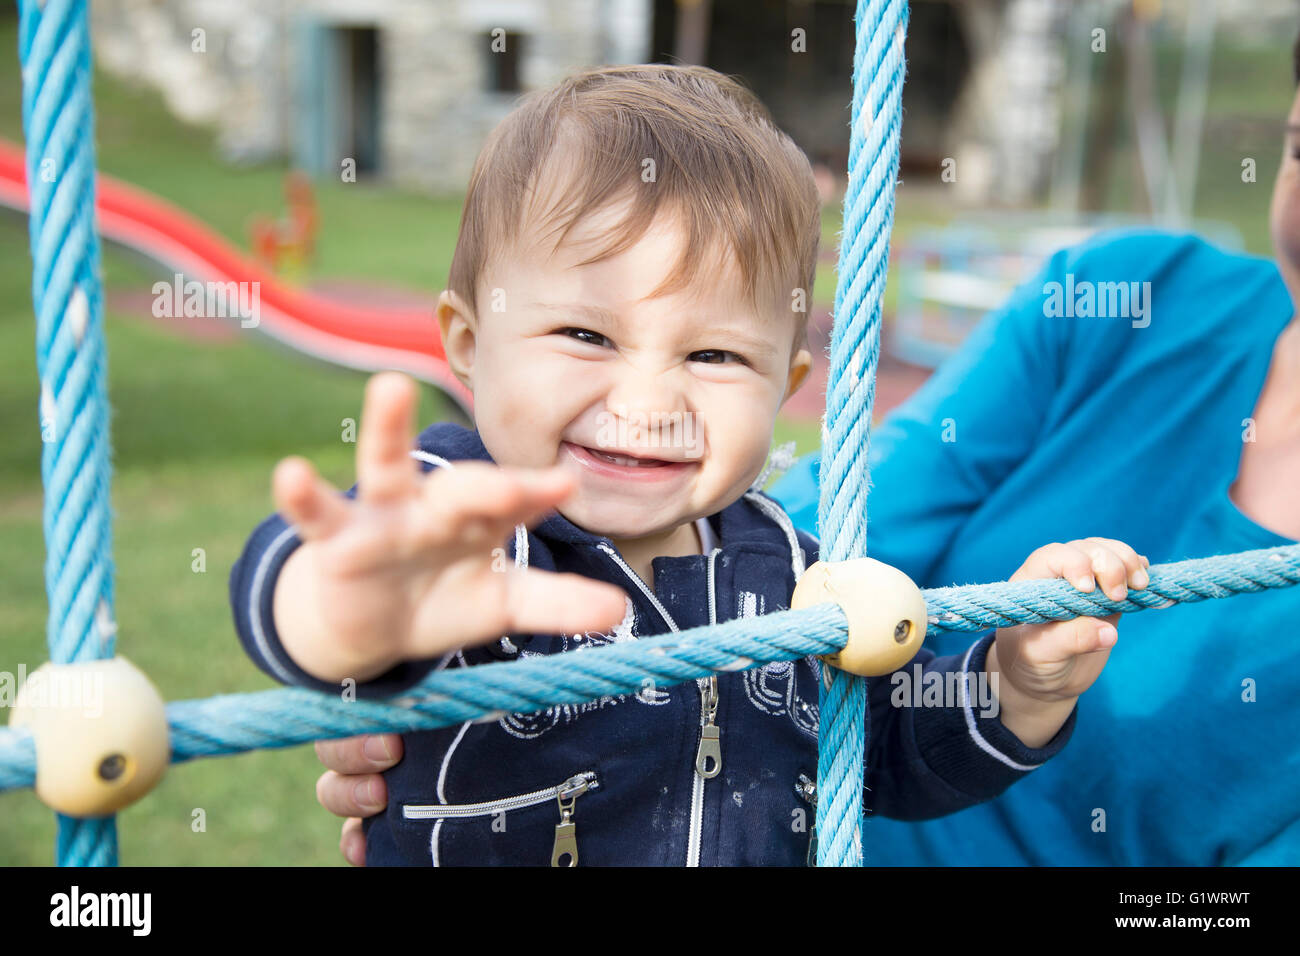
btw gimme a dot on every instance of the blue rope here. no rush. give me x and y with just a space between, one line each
1008 603
17 759
281 718
54 46
850 393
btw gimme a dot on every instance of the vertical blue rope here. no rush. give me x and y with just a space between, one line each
54 46
881 27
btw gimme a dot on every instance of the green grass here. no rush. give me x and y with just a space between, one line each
197 427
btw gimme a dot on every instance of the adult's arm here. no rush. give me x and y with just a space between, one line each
937 456
1282 850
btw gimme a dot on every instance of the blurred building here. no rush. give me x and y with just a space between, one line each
408 89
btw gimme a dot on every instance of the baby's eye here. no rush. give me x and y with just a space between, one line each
595 337
716 357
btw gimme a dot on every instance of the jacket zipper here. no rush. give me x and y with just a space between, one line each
806 788
566 794
708 755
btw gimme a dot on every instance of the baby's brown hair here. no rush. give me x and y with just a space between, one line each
716 157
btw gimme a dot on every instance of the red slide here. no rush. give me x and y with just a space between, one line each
358 337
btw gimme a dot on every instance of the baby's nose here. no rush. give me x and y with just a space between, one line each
644 393
648 412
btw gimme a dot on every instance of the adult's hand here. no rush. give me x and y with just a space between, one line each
353 786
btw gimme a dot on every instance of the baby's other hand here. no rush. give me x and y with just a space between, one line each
416 565
1059 661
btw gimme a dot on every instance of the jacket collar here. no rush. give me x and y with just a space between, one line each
740 523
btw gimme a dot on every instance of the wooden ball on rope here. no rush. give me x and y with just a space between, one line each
885 609
100 729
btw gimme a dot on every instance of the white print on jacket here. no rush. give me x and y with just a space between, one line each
528 726
774 687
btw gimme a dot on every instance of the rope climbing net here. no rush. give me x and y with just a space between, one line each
54 46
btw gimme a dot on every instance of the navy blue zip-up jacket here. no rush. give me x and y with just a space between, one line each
621 773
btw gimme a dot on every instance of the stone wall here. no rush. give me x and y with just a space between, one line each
232 65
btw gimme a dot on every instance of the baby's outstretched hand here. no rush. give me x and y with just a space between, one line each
416 565
1059 661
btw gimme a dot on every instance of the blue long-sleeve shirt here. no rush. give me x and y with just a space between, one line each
1187 749
489 792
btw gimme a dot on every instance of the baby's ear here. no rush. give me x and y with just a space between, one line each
800 366
459 335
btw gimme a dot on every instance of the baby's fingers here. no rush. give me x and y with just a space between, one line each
385 469
475 504
1058 560
545 602
1086 562
307 500
1083 635
1115 565
484 604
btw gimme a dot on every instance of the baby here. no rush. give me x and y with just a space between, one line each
627 302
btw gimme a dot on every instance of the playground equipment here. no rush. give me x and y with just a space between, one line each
55 50
290 242
362 337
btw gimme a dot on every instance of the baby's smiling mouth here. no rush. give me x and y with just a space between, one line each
625 463
632 461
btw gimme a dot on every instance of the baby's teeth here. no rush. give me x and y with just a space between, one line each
624 460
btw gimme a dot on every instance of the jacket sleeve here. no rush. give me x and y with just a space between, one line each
928 761
931 760
252 589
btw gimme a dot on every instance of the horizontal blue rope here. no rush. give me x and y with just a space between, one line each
234 723
1035 601
17 759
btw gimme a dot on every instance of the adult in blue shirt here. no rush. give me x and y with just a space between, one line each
1177 431
1187 750
1173 425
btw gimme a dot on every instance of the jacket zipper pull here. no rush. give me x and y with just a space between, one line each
708 759
566 839
807 789
566 831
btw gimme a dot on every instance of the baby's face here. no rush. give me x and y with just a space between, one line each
575 365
